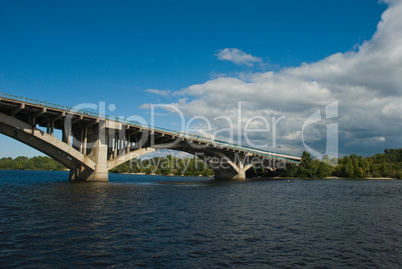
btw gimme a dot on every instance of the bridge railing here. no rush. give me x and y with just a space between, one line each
138 124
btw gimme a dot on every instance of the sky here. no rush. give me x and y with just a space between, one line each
274 59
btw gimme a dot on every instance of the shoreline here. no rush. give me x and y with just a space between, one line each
172 175
364 178
169 175
332 177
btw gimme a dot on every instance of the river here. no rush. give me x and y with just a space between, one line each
134 221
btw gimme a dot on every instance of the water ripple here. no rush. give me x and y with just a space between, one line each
134 221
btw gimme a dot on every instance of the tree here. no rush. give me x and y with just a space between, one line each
308 164
348 168
324 170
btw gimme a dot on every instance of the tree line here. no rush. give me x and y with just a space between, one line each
387 164
34 163
158 165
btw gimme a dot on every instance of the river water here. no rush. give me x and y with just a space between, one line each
134 221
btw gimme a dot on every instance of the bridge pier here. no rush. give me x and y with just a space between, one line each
230 174
232 166
98 154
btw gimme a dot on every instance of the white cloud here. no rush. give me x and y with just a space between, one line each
237 56
147 106
367 82
393 110
159 92
293 135
382 139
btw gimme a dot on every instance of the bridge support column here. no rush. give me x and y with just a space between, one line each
230 174
231 168
99 154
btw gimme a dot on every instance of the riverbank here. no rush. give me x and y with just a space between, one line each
184 176
332 177
265 178
153 174
381 178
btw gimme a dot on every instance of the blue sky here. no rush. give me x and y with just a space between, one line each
133 53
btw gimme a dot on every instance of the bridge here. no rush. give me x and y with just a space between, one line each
91 144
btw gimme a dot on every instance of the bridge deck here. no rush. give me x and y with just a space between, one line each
50 109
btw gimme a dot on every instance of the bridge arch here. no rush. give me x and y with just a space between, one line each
48 144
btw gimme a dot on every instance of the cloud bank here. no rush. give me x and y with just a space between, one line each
367 82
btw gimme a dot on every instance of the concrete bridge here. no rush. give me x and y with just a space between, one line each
92 144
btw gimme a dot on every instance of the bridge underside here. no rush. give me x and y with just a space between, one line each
90 145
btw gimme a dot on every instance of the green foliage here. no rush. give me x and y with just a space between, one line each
35 163
309 168
324 170
387 164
